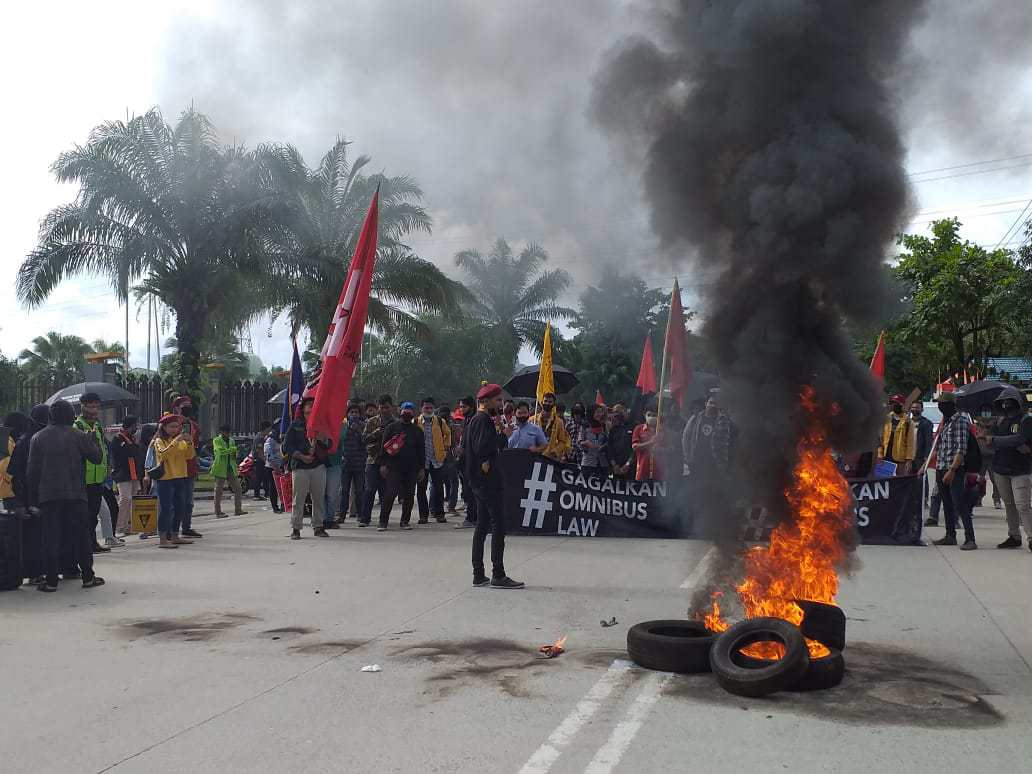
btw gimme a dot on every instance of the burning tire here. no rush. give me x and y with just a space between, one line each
737 677
823 672
670 646
824 623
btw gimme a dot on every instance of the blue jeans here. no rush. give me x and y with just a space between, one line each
187 520
353 490
333 474
374 483
955 501
451 484
172 498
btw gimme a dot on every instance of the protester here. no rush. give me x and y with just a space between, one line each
96 474
173 449
17 425
923 432
527 435
225 472
508 415
482 443
373 438
621 455
468 410
334 464
707 446
307 472
127 470
436 443
550 420
898 437
1011 441
645 441
260 471
57 456
183 406
402 465
17 498
451 474
950 475
573 428
277 467
353 458
593 443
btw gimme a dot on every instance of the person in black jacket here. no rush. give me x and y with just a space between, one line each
481 444
402 469
307 471
621 455
1011 441
33 562
57 456
127 470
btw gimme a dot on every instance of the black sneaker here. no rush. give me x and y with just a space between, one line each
969 545
331 525
931 523
441 519
295 534
321 532
363 523
93 582
47 587
192 533
949 540
423 521
99 549
506 583
483 580
1010 542
465 525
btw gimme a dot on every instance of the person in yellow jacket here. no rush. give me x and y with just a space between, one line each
437 437
899 437
559 442
173 447
224 470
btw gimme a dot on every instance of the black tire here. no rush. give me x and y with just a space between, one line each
732 671
670 646
823 672
824 623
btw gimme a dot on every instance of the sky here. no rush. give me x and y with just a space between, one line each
485 104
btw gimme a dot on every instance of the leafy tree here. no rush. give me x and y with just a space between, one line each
162 205
55 358
514 295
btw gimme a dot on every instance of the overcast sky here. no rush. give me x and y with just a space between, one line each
484 103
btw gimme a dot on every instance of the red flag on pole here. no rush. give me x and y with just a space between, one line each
647 372
878 361
343 343
599 400
676 348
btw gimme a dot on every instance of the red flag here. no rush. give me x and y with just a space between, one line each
878 361
676 348
647 372
599 400
343 343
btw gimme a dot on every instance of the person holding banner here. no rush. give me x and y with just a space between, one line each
899 437
644 441
551 421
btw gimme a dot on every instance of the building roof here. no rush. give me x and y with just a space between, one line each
1018 369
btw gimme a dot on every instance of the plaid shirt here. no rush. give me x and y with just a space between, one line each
953 440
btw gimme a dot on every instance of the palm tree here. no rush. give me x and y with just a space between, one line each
319 220
514 295
162 205
56 358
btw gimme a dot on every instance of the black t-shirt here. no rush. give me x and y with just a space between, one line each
1007 460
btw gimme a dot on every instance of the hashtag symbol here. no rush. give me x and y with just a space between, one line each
538 501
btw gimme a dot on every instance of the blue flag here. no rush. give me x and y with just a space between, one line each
295 387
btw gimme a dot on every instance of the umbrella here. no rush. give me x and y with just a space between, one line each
279 397
971 397
110 394
524 382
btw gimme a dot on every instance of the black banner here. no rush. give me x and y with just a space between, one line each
542 497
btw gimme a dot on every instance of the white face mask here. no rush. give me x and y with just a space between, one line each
650 421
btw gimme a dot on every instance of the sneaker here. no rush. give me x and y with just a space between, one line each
506 583
99 549
382 528
483 580
192 533
363 523
331 525
1010 542
949 540
997 505
423 520
441 519
931 523
452 511
969 545
465 525
295 534
113 542
321 532
93 582
220 515
408 527
240 513
46 587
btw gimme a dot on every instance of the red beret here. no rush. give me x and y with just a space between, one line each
489 391
166 418
898 399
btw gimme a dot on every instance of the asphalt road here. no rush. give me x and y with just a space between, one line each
243 653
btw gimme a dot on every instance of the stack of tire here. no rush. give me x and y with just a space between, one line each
688 647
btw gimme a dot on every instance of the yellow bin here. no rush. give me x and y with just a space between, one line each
144 515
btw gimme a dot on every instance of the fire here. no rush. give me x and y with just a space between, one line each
556 648
800 561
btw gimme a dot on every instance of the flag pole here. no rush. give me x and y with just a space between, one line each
662 367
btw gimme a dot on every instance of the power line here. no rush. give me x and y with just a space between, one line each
970 164
1013 225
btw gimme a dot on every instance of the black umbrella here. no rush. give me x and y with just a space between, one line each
279 397
971 397
110 394
524 382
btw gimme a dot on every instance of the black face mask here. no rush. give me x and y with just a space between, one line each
522 420
948 409
546 408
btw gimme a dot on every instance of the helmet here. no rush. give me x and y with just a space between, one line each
1009 393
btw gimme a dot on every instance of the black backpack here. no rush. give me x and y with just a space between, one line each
973 455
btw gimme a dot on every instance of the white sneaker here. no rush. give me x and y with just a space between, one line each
113 542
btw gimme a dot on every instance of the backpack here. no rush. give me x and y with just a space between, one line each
973 455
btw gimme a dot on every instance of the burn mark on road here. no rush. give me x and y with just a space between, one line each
291 630
327 647
200 628
882 686
469 663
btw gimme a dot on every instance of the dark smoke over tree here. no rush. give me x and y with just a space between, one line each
773 150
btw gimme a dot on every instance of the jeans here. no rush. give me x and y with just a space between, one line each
451 484
234 486
374 484
1016 493
271 488
186 520
353 489
311 481
333 475
955 501
172 503
70 520
126 490
490 516
401 484
434 479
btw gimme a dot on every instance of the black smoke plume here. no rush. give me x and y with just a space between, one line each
773 150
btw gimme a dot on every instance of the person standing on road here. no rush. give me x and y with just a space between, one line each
593 443
482 443
127 471
173 449
184 407
277 468
451 475
57 455
621 455
353 463
644 441
262 475
898 437
225 472
468 409
334 463
402 461
954 437
373 438
527 435
551 421
96 474
1011 440
436 444
307 473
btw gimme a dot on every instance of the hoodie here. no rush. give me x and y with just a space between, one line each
18 468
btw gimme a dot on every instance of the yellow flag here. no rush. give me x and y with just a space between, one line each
546 381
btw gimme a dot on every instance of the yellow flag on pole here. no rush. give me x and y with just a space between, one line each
546 380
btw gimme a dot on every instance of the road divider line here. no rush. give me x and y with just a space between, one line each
548 753
701 569
610 754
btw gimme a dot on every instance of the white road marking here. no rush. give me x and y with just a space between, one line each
610 754
548 753
700 569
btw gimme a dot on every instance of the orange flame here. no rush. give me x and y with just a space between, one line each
800 561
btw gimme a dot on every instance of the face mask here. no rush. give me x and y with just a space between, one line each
897 409
986 414
406 415
522 420
428 414
354 420
947 409
546 408
650 421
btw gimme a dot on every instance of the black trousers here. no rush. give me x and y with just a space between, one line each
468 498
489 516
266 480
67 521
434 480
401 485
94 495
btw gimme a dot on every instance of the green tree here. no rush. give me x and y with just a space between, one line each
165 206
514 295
56 358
